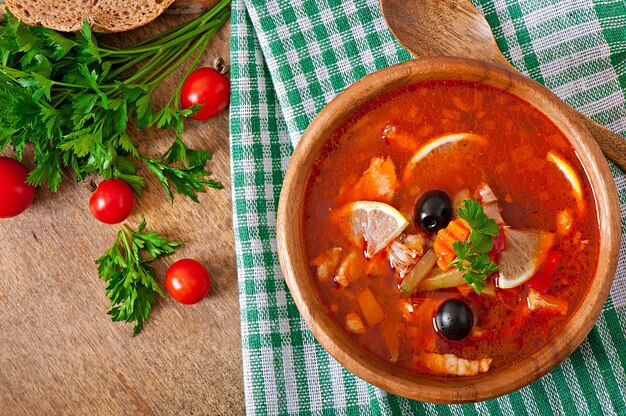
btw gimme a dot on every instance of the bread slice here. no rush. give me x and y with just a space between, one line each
103 15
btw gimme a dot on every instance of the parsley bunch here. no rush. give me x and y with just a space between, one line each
471 255
74 98
131 287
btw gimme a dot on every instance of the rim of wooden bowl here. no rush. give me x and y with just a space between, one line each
294 262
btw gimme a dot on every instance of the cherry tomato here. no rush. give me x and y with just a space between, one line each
208 87
15 194
187 281
112 202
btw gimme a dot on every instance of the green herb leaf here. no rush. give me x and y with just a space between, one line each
61 44
89 44
47 170
472 212
130 281
76 101
188 181
25 39
126 170
471 255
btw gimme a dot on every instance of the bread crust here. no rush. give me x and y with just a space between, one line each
102 15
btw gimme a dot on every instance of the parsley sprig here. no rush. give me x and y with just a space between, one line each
130 284
75 99
471 255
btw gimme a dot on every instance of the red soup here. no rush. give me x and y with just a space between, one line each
450 228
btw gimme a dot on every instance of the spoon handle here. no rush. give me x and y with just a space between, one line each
613 146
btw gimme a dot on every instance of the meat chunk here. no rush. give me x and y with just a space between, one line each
377 266
407 309
538 302
327 263
489 201
564 222
354 324
453 365
378 183
405 251
351 268
486 193
457 201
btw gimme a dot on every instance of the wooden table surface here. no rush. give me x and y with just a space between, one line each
59 351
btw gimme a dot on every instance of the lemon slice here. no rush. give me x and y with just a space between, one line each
571 176
435 143
375 222
526 250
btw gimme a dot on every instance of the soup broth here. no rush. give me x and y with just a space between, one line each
474 143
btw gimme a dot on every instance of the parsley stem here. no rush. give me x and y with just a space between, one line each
118 71
186 56
158 47
193 65
167 63
124 234
167 35
147 67
160 56
175 32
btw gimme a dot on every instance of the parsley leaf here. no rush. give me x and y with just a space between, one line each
76 101
130 284
189 180
471 255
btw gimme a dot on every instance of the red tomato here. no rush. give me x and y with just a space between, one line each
112 202
208 87
15 194
544 279
187 281
499 243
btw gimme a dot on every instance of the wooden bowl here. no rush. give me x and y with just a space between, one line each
294 260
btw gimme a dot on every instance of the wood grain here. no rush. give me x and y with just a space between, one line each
59 351
295 265
190 6
456 28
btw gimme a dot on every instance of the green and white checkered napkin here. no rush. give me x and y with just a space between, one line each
290 58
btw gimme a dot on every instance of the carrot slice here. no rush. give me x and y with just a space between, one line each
457 230
370 307
465 290
390 335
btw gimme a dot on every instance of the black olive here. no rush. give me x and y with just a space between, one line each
433 211
454 320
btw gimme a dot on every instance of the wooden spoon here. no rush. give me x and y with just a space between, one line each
456 28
